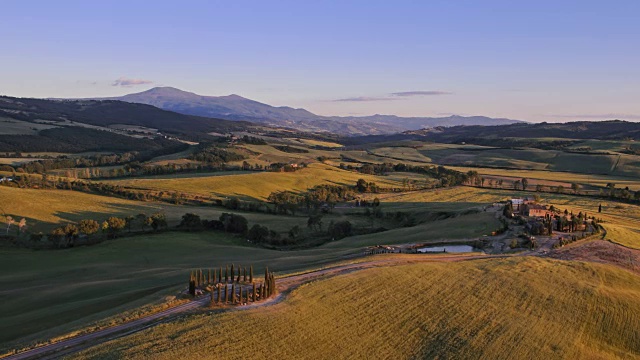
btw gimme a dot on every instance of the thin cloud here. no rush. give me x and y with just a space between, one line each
126 82
421 93
394 96
364 99
599 116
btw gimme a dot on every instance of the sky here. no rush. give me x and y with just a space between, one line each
529 60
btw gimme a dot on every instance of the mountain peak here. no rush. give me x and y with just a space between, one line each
166 91
234 97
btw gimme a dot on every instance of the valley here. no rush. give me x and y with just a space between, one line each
111 233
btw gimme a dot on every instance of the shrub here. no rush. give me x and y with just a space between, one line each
258 233
190 221
234 223
340 229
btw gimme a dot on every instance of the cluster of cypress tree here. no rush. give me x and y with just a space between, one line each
232 285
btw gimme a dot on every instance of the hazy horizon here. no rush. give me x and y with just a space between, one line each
535 62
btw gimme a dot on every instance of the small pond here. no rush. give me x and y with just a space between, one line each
448 249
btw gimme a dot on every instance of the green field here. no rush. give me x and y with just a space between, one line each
537 159
493 309
17 127
401 154
47 293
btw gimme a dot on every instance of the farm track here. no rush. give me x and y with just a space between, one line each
285 285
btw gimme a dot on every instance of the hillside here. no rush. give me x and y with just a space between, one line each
502 134
502 309
90 125
105 113
235 107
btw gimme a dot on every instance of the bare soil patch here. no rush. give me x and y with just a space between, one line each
601 251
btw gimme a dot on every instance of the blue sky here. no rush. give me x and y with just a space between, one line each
533 60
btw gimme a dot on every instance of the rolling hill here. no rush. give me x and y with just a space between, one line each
91 125
511 135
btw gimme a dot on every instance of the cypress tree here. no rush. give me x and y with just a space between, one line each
212 300
251 273
192 287
226 293
215 276
219 293
220 274
226 275
244 274
263 291
232 272
239 271
253 298
233 293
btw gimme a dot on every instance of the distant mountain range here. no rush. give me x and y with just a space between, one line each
235 107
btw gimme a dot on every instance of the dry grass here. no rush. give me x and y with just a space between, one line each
310 142
47 207
259 185
490 309
623 235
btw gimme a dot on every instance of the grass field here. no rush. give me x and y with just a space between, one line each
260 185
401 154
50 292
310 142
78 285
623 219
46 209
624 235
17 127
464 228
590 179
272 155
604 145
490 309
537 159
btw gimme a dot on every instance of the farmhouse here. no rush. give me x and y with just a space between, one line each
535 210
519 202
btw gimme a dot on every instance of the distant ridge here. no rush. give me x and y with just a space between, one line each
236 107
